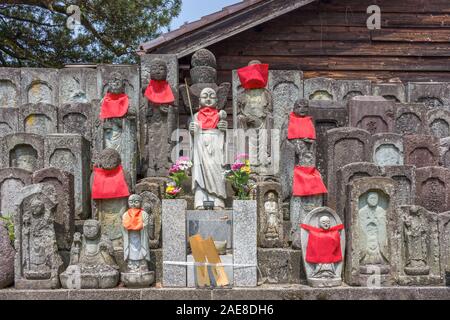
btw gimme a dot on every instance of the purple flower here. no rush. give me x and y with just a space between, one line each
237 166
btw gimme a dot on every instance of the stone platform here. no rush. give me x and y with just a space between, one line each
265 292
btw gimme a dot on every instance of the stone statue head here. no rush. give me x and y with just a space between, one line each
208 98
91 229
325 222
37 207
135 201
203 58
25 157
112 127
158 70
372 199
301 107
109 159
116 84
271 196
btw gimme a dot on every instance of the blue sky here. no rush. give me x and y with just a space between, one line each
195 9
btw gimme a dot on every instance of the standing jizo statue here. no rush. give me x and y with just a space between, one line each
115 103
208 130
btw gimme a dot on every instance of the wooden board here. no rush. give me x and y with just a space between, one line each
213 257
199 255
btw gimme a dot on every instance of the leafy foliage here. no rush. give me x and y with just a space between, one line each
10 227
35 33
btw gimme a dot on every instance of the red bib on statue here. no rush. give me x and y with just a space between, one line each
109 184
132 220
159 92
307 182
301 128
324 246
114 106
208 118
254 76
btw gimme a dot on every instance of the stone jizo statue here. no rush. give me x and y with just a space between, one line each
271 208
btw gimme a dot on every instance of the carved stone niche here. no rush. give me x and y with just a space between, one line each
132 83
433 94
119 134
444 243
9 121
321 90
371 113
346 175
445 152
438 121
322 275
37 263
410 118
395 92
63 183
76 118
433 188
421 150
22 150
77 85
370 219
12 180
405 179
39 86
388 149
339 143
349 89
70 153
270 215
151 203
418 262
9 88
39 118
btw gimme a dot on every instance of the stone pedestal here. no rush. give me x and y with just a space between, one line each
280 266
6 258
137 280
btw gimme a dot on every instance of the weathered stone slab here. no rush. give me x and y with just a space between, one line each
349 89
64 223
174 243
22 150
280 266
12 180
444 242
371 113
215 224
9 120
395 92
6 258
39 118
369 221
9 87
421 150
325 89
245 240
445 152
410 118
70 153
300 207
77 85
433 94
76 118
37 262
346 175
438 121
388 149
151 203
339 142
419 256
39 86
433 188
405 179
270 215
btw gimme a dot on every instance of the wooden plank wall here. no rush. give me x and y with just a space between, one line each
331 39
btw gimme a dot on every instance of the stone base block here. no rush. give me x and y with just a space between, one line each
280 266
138 280
23 284
105 280
324 283
420 281
156 263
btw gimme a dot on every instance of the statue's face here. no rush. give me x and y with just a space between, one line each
91 229
271 197
325 222
208 98
301 108
116 84
26 162
158 70
135 202
372 199
37 207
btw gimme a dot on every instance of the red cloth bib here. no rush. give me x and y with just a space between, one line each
301 128
254 76
114 106
132 220
324 246
109 184
307 182
208 118
159 92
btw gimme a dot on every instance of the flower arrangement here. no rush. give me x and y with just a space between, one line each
178 174
239 176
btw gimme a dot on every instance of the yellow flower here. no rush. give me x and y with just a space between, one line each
170 189
247 163
246 169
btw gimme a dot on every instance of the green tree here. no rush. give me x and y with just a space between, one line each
35 32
